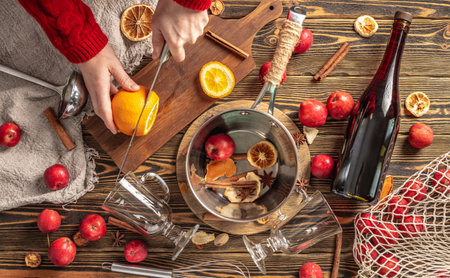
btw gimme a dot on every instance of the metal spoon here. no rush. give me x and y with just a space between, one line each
74 94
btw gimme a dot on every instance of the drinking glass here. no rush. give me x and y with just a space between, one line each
135 204
314 222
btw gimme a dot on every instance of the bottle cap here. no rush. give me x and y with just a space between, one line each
403 15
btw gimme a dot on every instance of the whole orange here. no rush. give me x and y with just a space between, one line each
127 106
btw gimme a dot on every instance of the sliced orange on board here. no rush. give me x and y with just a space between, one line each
135 22
417 103
216 79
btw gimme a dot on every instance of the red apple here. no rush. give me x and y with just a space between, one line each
312 113
56 177
385 235
48 221
9 135
322 166
305 41
414 191
264 70
340 105
62 251
93 227
411 226
310 270
441 181
398 207
365 252
388 266
135 251
219 146
365 222
420 135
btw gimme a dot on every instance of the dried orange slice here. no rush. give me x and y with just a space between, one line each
135 22
216 79
417 103
217 7
365 26
387 187
262 155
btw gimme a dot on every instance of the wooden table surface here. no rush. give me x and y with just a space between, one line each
425 67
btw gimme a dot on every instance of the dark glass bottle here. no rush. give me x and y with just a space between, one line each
373 125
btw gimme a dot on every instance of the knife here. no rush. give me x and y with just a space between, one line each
165 54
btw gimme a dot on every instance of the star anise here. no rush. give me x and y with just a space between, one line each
267 179
299 138
118 238
302 183
245 192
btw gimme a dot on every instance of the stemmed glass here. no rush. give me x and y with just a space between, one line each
135 204
315 222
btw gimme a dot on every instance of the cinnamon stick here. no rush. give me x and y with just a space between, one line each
120 224
59 129
236 177
337 256
239 156
227 44
235 184
208 216
332 62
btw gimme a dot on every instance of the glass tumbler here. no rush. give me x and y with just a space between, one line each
314 222
132 202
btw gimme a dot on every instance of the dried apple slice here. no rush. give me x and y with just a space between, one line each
202 238
417 103
262 155
244 195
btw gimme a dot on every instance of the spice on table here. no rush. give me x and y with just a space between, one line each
79 240
33 259
221 239
333 62
118 239
228 45
217 7
299 138
302 183
337 256
59 129
120 224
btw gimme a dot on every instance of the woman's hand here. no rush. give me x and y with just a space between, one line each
177 26
97 74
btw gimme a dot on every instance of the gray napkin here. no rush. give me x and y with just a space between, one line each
25 47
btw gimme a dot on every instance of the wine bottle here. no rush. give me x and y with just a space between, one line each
373 125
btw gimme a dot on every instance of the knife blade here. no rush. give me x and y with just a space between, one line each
165 54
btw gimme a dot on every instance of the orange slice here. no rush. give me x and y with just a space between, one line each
135 22
216 79
217 7
262 155
365 26
387 187
417 103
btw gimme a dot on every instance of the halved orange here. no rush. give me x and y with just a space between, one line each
135 22
216 79
417 103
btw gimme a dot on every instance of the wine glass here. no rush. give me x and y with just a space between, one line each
135 204
314 222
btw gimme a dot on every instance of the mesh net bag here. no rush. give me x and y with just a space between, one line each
407 234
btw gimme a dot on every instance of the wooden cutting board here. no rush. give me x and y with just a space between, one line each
178 87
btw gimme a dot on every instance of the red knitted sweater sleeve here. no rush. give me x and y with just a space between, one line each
70 26
197 5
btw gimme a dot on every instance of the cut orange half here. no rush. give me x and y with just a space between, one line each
216 79
417 103
135 22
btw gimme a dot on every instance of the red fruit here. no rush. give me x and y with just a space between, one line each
420 135
441 181
264 70
322 166
388 266
56 177
411 226
219 146
135 251
414 191
9 135
365 252
93 227
312 113
62 251
365 222
340 105
310 270
305 41
48 221
398 206
443 274
385 235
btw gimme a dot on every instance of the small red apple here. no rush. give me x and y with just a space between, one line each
340 105
92 227
385 235
135 251
322 166
9 134
264 70
305 41
310 270
62 251
388 265
365 222
414 191
441 181
219 146
420 135
411 226
56 177
312 113
398 207
365 252
49 221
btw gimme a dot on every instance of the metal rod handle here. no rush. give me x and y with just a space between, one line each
137 270
27 77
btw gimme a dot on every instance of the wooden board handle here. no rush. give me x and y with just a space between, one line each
269 10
